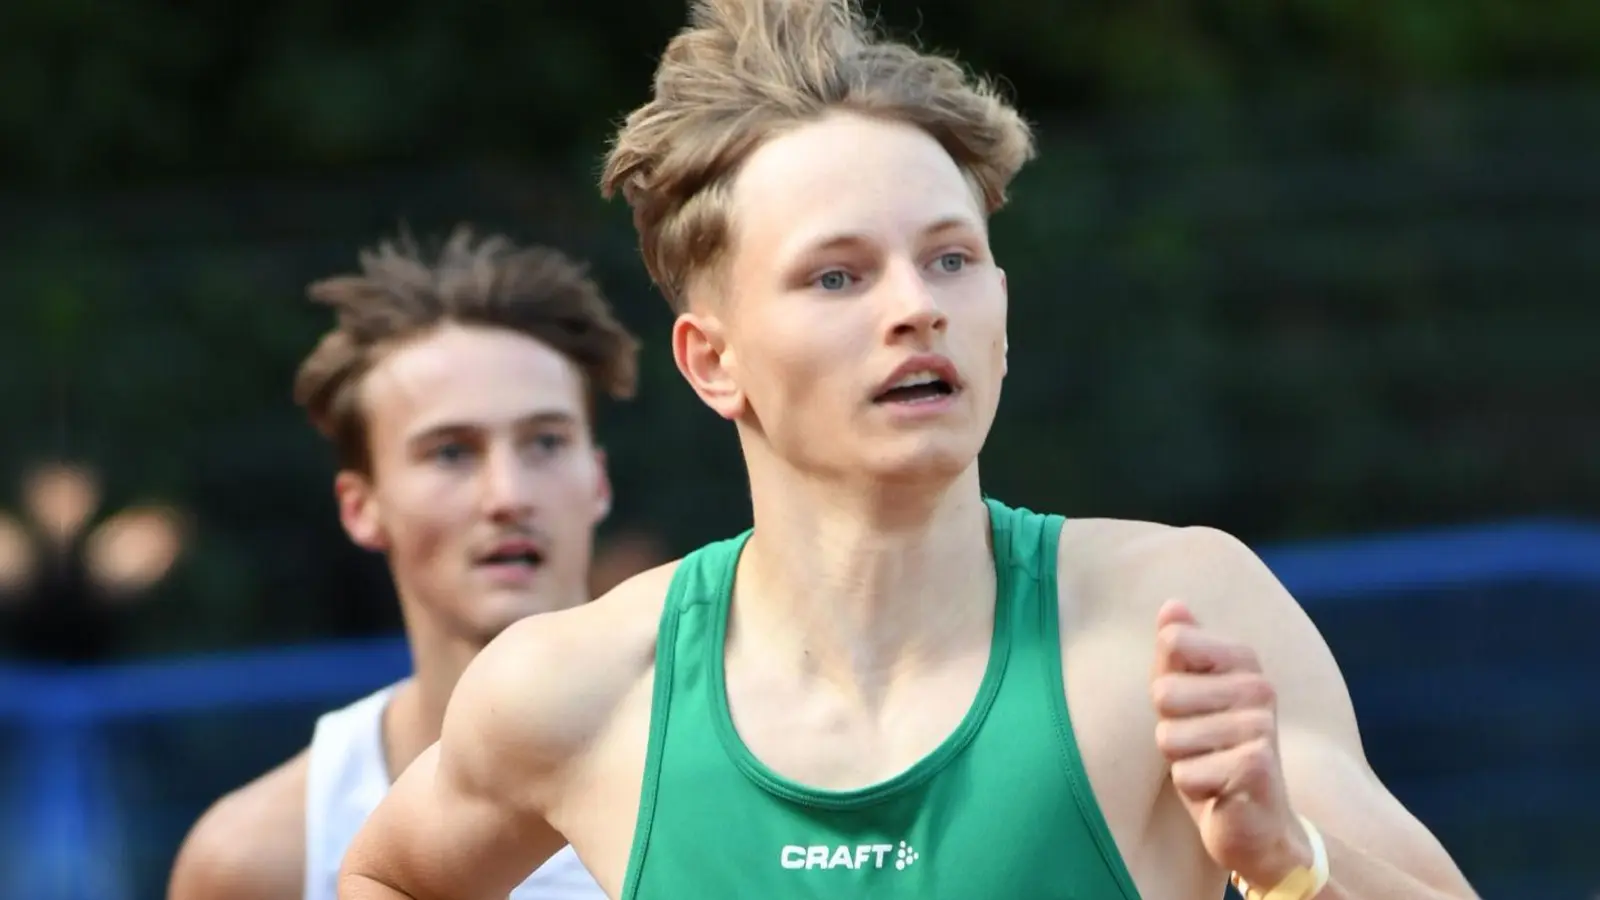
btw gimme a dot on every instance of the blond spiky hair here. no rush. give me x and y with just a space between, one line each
744 70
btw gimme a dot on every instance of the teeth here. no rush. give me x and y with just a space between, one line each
917 379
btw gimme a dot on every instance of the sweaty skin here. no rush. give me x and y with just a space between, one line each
863 604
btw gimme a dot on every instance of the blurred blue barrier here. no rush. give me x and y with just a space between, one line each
286 675
1489 729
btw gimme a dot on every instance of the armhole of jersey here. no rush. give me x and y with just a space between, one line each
1055 683
344 740
660 708
317 776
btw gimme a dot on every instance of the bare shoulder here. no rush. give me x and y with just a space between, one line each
544 690
250 845
1115 575
566 666
1123 570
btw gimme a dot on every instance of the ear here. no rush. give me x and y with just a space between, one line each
602 487
359 512
700 349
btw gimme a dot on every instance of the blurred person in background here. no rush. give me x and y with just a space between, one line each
868 693
459 391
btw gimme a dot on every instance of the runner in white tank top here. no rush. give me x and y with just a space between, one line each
459 389
346 779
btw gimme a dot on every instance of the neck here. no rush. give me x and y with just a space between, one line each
856 584
416 711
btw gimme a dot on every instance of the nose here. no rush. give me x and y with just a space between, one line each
915 309
507 486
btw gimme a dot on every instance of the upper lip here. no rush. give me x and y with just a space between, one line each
513 547
928 362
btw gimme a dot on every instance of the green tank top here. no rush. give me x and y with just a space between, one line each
1001 809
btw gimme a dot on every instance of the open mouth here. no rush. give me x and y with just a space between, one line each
917 389
523 557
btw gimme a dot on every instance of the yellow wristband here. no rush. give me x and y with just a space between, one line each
1300 884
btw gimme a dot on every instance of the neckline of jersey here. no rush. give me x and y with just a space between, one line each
918 772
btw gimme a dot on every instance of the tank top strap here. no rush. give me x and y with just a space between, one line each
694 598
1025 556
1025 541
346 778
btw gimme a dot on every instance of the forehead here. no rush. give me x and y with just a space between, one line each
469 377
847 175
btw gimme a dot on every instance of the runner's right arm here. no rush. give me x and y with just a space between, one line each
465 821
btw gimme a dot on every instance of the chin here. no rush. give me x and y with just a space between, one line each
931 462
494 613
485 629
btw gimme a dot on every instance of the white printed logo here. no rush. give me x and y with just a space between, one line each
848 856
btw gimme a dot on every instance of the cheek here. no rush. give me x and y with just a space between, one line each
568 513
980 324
571 489
422 524
806 368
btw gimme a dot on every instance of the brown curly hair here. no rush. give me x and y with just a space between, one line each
402 293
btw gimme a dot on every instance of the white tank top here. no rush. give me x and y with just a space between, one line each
346 779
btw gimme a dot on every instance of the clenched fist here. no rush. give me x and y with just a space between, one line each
1217 726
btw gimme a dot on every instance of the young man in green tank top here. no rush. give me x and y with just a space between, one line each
891 687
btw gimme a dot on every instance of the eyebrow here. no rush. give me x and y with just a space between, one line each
845 239
440 430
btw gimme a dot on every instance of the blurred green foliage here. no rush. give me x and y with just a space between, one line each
1289 268
97 93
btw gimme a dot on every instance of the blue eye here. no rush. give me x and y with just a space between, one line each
953 262
834 280
448 453
550 443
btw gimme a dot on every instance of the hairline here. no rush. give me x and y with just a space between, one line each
384 350
711 280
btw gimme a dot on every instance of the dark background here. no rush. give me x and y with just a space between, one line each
1297 269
